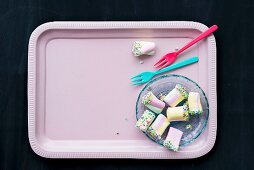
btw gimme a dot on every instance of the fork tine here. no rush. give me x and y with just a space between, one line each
161 64
137 83
164 65
161 60
133 77
136 79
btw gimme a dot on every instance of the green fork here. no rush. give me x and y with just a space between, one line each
146 76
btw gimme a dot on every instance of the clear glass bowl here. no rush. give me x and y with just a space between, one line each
163 85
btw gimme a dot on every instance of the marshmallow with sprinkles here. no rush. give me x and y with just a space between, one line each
173 139
153 103
180 113
143 48
158 127
195 106
175 96
145 121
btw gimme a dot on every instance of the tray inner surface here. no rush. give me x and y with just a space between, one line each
84 100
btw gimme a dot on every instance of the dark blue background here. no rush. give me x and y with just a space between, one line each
235 74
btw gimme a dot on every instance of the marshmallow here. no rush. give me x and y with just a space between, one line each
143 48
158 127
195 106
153 103
175 96
180 113
173 139
145 121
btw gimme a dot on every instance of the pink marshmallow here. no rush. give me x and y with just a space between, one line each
174 135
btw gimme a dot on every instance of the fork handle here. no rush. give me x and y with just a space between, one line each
178 65
200 37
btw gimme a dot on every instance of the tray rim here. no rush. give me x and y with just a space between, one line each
31 89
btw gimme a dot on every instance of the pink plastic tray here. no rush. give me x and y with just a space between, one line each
80 101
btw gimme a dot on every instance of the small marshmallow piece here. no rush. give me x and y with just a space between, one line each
173 139
189 126
143 48
145 121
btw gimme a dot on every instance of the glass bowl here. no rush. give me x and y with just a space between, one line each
162 86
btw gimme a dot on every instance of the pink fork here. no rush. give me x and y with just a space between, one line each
171 57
